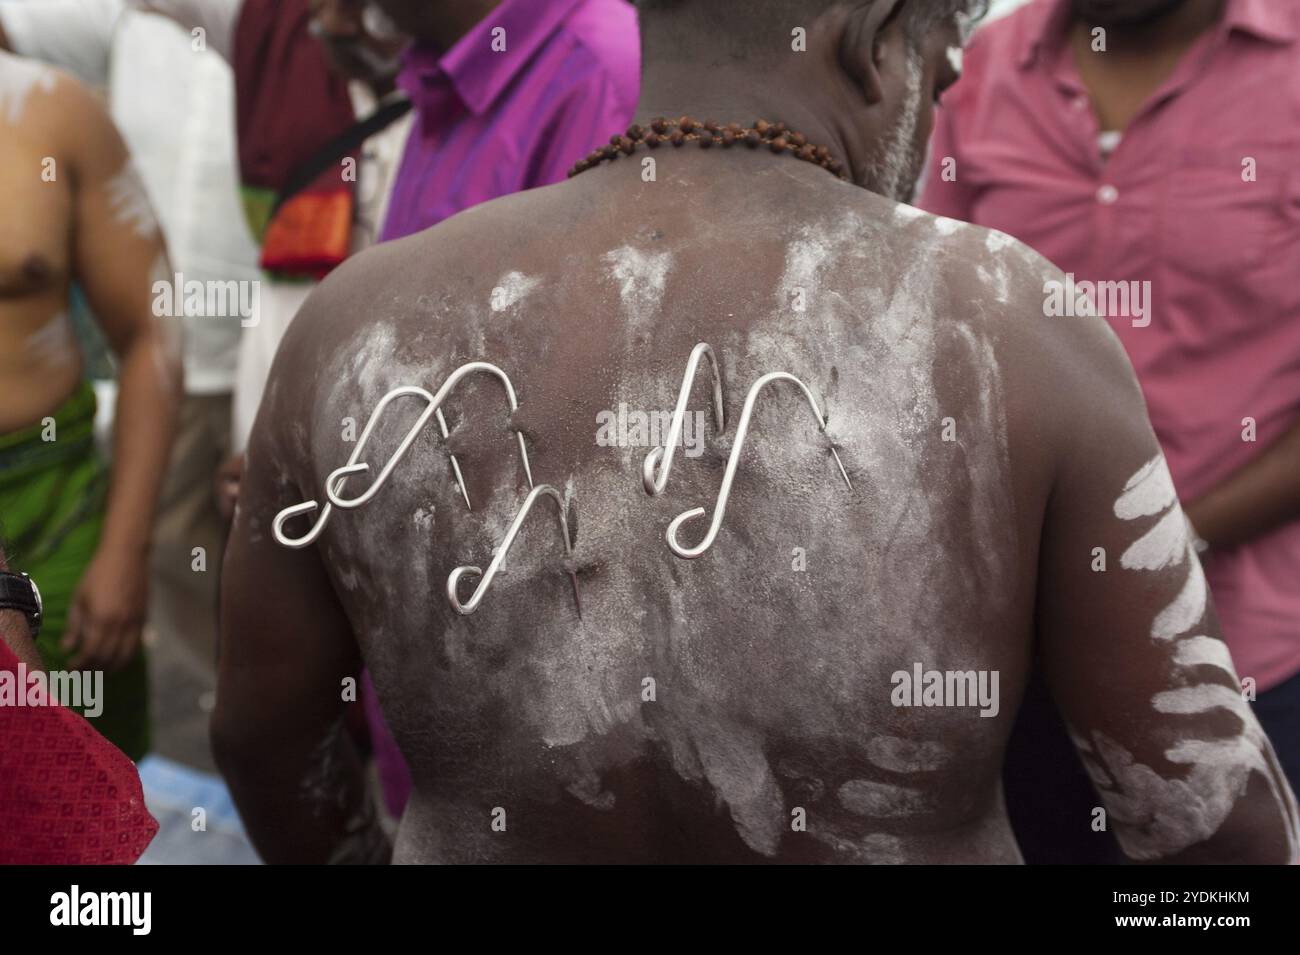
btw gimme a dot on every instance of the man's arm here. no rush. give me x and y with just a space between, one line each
15 633
1130 641
118 254
1259 497
287 650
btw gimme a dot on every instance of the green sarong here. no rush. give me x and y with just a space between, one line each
52 499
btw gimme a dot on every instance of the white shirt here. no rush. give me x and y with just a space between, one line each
175 108
381 155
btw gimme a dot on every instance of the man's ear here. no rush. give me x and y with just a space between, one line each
863 44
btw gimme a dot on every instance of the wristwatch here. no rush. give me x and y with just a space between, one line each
19 592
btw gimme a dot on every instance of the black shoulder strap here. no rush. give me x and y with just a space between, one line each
346 142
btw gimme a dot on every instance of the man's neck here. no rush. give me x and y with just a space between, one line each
1175 30
1137 59
673 90
447 21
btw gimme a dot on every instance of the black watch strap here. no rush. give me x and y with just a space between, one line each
18 592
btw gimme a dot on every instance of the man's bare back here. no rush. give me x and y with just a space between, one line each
774 699
740 706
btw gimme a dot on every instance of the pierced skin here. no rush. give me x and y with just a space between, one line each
771 685
700 708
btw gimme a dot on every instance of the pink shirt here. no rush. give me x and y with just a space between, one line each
520 98
1201 198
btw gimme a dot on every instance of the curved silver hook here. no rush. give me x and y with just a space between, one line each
654 476
733 462
455 465
337 478
453 580
306 507
333 484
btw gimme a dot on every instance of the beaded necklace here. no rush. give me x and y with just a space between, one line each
679 132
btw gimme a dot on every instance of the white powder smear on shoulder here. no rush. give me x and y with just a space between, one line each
510 290
903 212
19 78
945 226
997 241
804 260
641 277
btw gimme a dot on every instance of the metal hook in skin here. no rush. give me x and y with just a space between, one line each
288 514
349 469
337 478
455 465
453 580
654 475
334 482
333 489
733 462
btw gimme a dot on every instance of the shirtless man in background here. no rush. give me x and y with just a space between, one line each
74 210
754 704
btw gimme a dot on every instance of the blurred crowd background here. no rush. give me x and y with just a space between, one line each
239 114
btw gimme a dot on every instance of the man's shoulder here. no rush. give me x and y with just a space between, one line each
991 271
48 101
24 81
396 276
996 282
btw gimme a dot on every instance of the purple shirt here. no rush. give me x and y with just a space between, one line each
1202 199
490 122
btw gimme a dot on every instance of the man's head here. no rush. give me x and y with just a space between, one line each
1113 13
360 42
869 70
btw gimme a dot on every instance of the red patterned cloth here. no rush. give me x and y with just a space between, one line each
67 795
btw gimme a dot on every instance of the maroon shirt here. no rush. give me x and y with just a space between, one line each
67 795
